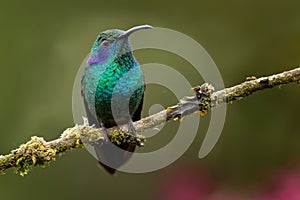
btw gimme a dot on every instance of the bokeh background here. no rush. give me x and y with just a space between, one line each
42 44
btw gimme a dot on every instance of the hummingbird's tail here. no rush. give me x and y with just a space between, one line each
110 170
111 156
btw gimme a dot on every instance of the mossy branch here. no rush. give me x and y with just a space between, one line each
39 152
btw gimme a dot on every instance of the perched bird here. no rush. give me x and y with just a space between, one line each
113 89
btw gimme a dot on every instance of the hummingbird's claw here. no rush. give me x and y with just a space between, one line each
131 128
105 132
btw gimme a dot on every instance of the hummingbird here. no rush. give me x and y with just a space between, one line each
113 89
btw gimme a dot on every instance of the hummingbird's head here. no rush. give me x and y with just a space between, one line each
111 44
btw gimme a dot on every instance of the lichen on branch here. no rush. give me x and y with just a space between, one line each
39 152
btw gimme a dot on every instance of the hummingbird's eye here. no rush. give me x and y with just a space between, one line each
105 42
99 39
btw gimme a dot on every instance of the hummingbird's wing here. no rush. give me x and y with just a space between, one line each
92 119
137 114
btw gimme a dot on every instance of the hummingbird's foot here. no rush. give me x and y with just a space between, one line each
105 132
131 128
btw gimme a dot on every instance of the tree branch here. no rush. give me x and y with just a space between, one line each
39 152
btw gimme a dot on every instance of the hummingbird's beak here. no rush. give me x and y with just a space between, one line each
133 29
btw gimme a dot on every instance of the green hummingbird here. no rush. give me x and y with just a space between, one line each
113 90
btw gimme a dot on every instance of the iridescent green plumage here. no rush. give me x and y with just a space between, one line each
113 88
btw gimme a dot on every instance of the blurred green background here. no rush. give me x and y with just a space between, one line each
44 42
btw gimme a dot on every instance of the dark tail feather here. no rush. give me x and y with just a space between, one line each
110 170
113 156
